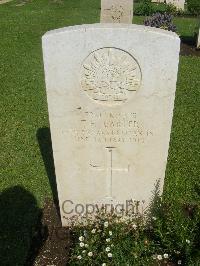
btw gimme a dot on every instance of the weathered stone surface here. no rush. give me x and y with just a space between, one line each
117 11
198 41
180 4
110 91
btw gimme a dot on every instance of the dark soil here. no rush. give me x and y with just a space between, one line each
50 245
187 50
188 47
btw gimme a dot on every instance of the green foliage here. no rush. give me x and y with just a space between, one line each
144 9
194 6
173 10
136 239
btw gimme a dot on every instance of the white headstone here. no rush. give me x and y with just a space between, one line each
198 41
180 4
110 91
117 11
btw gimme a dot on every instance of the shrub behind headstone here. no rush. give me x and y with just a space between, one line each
194 6
162 21
145 8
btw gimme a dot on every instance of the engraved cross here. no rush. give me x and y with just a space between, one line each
109 170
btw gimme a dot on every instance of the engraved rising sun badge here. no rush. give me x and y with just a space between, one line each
110 76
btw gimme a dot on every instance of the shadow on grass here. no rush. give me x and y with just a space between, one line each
18 219
189 40
44 140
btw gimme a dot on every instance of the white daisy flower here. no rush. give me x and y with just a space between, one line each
110 233
82 244
84 251
179 262
81 238
86 245
93 231
134 226
108 240
105 224
90 254
107 249
79 257
187 241
109 255
154 257
154 218
159 257
166 256
103 264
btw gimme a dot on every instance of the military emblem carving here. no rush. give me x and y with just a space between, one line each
110 76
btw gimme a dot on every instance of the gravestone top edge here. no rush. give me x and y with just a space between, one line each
113 26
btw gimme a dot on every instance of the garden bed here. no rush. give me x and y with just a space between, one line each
51 242
189 50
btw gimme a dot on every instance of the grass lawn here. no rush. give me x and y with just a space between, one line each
24 180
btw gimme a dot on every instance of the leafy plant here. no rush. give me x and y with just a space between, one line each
171 9
145 8
162 21
134 239
194 6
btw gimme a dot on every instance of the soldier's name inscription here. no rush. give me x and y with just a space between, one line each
108 127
